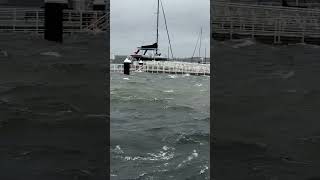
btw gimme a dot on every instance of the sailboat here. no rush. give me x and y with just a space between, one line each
201 60
141 53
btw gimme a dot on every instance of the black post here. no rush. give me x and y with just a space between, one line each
126 66
54 21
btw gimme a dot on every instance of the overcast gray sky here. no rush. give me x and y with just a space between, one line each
133 23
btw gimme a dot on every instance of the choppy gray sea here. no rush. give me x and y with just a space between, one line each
266 111
159 126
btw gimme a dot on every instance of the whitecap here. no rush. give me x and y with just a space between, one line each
172 76
199 84
165 154
244 44
288 75
117 150
189 158
4 53
51 53
168 91
204 169
126 78
165 148
168 98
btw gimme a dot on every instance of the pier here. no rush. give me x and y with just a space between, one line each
169 67
268 23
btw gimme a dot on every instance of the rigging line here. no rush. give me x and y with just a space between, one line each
165 21
195 48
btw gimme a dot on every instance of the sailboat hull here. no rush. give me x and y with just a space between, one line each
149 58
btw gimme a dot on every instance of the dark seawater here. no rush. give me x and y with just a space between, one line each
52 107
266 111
159 126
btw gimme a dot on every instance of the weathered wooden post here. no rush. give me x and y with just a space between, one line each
53 23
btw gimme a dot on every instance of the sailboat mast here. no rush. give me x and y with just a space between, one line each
205 55
157 26
200 43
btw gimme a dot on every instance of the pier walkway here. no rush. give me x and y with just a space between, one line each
170 67
270 23
32 20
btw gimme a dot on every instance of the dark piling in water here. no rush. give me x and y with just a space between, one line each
53 20
126 66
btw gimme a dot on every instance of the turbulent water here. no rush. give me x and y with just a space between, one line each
266 111
52 107
53 114
159 126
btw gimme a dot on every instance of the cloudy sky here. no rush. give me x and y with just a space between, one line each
133 23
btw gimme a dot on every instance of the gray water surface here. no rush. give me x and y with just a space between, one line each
159 126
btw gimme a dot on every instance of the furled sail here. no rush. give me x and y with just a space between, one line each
152 46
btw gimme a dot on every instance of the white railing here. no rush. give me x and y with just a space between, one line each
166 67
32 20
253 20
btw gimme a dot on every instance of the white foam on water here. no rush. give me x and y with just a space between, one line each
305 44
168 98
198 84
172 76
284 74
204 169
189 158
117 150
288 75
51 53
168 91
166 148
142 175
245 43
126 78
291 91
166 153
4 53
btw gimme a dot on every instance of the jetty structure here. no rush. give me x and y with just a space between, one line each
53 18
270 21
161 67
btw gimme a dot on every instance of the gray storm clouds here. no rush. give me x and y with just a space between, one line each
133 23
